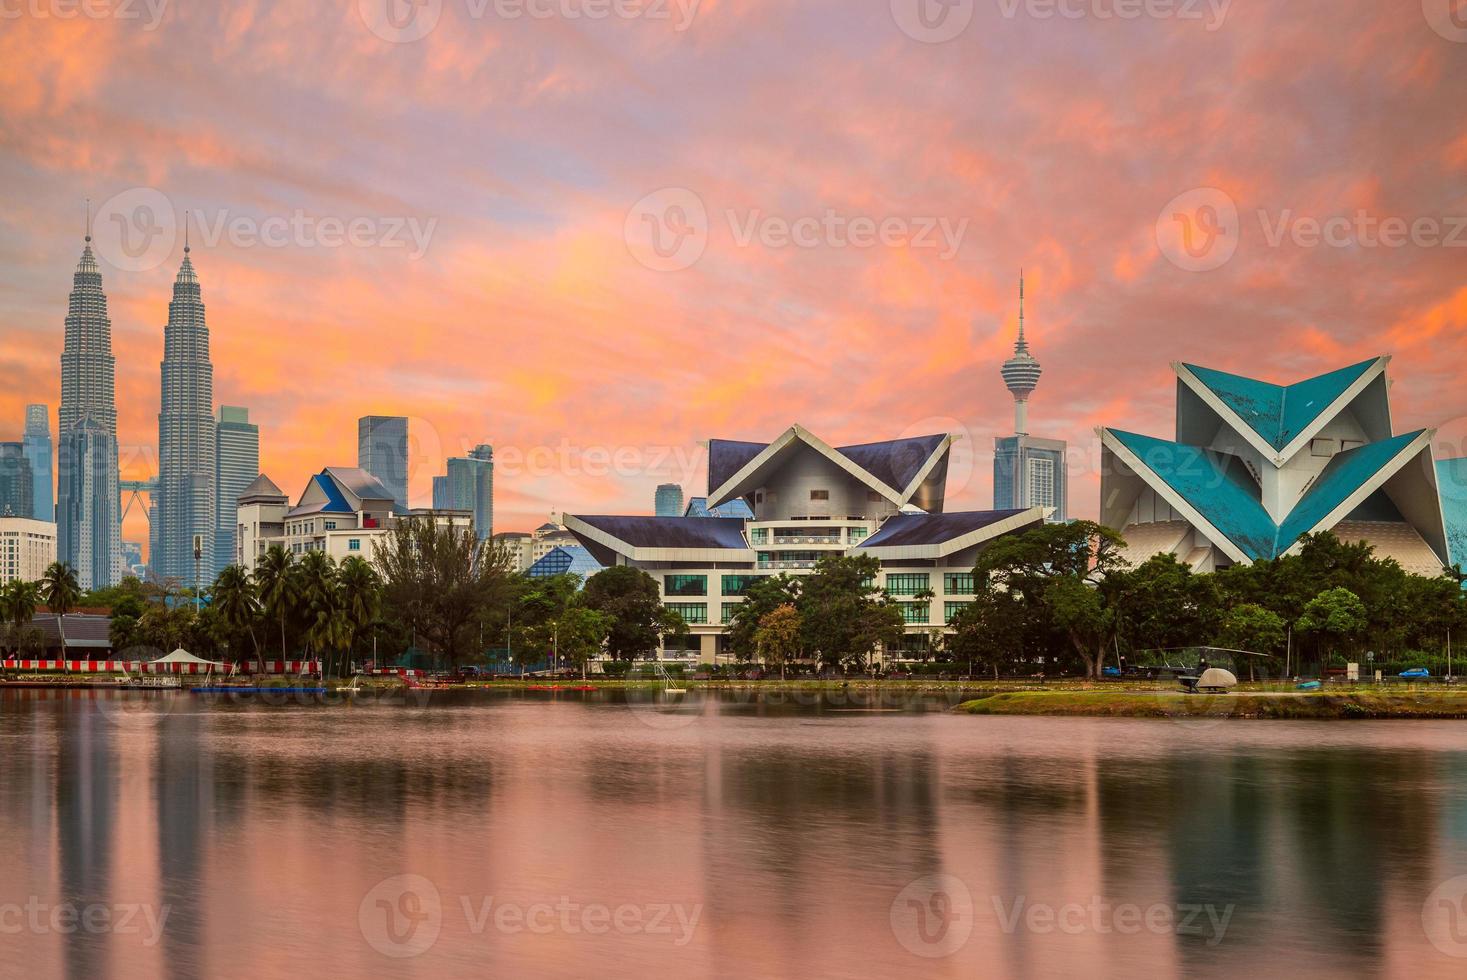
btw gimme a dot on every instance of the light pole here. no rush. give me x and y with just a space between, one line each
198 557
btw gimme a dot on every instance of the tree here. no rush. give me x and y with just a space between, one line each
761 598
779 636
443 582
18 601
1161 604
60 590
361 595
988 633
1056 571
1252 628
276 587
845 615
322 602
238 606
1335 616
636 620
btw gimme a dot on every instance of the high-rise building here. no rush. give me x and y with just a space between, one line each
1028 471
469 486
27 548
88 508
187 438
382 450
236 465
669 500
37 442
17 487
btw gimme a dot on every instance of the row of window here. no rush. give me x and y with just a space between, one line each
897 583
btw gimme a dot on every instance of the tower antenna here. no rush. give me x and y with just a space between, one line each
89 219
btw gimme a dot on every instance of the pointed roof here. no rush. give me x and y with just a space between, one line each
262 488
1278 414
895 468
1219 496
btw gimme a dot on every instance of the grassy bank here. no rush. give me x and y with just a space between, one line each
1345 704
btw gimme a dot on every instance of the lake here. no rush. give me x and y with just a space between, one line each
521 834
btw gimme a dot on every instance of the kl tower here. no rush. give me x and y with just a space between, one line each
1027 472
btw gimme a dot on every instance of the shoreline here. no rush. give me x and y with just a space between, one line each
1343 705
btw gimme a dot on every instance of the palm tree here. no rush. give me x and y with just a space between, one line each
61 591
275 584
361 593
322 601
18 602
238 605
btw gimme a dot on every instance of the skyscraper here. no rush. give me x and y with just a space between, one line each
37 442
88 508
382 450
237 464
187 436
469 486
1027 471
17 487
669 500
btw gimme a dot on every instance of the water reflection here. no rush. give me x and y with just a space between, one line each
793 832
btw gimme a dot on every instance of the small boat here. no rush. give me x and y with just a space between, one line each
1309 686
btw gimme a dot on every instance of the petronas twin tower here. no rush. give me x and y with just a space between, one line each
88 514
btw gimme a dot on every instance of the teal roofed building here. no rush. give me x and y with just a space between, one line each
1257 466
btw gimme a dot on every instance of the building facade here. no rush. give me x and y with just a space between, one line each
344 512
668 501
469 486
1028 471
27 548
37 442
236 465
382 451
17 485
88 507
809 500
1257 466
187 438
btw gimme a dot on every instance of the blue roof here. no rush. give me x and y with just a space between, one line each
1451 479
1280 413
1345 474
335 503
1220 488
672 532
902 530
726 458
566 559
896 462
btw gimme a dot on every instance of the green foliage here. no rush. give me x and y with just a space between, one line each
778 636
845 617
762 598
1252 628
632 611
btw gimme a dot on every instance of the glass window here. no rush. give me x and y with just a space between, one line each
951 609
354 544
959 583
685 585
907 583
738 585
916 612
1041 482
759 535
691 612
330 525
857 533
819 494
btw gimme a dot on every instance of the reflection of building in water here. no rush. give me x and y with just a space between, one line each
183 788
86 791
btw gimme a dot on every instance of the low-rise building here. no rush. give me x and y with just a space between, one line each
27 548
809 500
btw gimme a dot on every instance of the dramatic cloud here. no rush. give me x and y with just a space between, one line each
596 242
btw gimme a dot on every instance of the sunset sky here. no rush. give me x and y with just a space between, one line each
529 152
